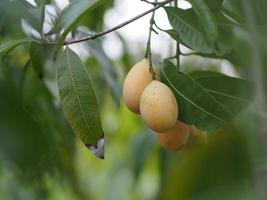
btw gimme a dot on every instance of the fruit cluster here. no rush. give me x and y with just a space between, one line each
157 105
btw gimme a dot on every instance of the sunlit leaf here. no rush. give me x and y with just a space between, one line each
196 105
78 99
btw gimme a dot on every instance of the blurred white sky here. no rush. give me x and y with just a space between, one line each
136 33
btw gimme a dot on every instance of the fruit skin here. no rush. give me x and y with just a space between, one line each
175 138
135 82
158 107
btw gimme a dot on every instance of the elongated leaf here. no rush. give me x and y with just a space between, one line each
207 19
9 46
78 99
196 105
233 93
71 16
185 23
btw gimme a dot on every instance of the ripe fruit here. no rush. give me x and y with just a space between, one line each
175 138
158 107
135 82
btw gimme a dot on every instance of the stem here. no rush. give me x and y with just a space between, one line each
92 37
178 52
148 46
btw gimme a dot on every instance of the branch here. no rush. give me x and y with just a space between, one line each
92 37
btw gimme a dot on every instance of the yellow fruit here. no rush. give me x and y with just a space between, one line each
135 82
175 138
158 107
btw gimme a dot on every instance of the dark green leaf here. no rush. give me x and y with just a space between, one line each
78 98
22 141
185 23
214 5
71 16
196 105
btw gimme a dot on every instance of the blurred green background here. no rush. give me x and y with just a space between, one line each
41 157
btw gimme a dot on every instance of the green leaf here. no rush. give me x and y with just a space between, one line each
207 19
185 23
233 93
196 105
214 5
78 98
9 46
108 68
71 16
175 36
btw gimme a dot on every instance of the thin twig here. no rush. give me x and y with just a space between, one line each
148 47
178 51
92 37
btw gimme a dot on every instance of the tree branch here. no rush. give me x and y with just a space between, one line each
92 37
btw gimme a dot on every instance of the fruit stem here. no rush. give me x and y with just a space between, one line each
148 46
177 45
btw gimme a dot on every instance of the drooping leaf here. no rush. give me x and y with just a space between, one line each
186 24
233 93
71 16
207 19
78 99
196 105
9 46
108 68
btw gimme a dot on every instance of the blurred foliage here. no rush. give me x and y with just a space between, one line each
41 157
